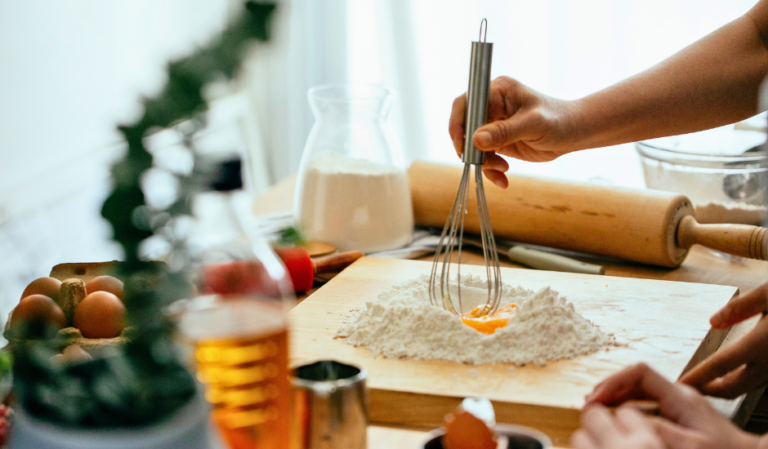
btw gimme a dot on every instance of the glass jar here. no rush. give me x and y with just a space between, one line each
352 189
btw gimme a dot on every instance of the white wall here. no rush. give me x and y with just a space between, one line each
70 71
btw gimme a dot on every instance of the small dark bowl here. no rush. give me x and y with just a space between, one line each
517 437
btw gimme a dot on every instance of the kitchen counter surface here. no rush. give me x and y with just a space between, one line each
701 265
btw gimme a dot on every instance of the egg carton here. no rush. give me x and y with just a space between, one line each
84 272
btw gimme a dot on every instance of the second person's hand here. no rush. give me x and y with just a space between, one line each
626 429
522 123
742 366
687 419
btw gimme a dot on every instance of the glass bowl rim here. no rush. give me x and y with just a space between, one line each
643 146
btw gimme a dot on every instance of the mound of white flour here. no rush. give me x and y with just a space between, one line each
402 323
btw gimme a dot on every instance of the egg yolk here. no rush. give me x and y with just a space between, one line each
480 320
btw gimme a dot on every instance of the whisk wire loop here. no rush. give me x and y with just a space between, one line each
483 36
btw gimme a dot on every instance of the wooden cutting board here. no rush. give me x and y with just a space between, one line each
665 324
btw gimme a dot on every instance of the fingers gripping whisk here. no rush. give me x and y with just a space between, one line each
441 290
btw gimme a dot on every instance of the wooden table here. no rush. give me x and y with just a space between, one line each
701 265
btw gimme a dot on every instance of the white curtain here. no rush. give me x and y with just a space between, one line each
384 49
308 48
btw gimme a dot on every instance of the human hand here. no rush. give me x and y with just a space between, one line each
742 366
628 429
687 419
522 123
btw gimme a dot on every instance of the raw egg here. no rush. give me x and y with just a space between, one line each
49 287
100 315
105 284
479 320
38 307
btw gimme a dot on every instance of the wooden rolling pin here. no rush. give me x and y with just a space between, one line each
647 226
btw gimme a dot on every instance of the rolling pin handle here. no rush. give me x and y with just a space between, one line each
736 239
335 262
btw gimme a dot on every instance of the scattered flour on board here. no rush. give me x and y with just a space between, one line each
402 323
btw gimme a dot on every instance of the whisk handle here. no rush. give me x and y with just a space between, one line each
476 112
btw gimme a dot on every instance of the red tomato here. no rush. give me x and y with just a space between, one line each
100 315
49 287
105 284
38 307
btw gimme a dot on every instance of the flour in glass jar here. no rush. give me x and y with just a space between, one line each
402 323
355 204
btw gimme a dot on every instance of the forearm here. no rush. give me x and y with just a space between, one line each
713 82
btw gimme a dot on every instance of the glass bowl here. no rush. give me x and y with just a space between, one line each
723 171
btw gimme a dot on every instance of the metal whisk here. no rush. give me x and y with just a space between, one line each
453 231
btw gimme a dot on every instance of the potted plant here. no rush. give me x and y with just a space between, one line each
137 394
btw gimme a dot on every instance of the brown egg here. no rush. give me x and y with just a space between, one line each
100 315
105 284
38 307
463 430
43 286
